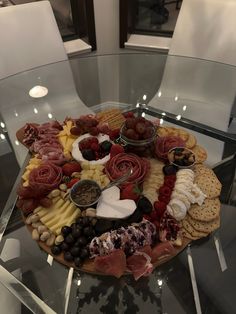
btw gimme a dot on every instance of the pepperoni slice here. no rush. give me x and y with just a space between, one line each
121 163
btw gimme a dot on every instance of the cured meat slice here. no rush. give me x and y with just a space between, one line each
112 264
46 177
121 163
140 262
162 250
30 134
165 143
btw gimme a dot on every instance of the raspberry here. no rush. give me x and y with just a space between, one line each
164 198
116 149
169 182
113 134
160 206
128 114
165 190
95 147
154 215
94 131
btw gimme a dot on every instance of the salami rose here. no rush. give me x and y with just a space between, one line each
165 143
121 163
46 177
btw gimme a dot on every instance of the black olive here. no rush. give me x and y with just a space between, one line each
56 249
102 226
77 261
84 253
68 257
65 246
65 230
88 231
81 241
69 239
169 170
137 216
76 232
75 251
145 205
86 221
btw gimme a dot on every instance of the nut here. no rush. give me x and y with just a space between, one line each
75 175
50 241
55 193
35 235
59 239
28 220
90 212
63 187
37 224
35 218
44 236
42 229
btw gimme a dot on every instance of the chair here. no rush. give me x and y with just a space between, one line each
29 38
204 30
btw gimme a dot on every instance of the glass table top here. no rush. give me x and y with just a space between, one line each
191 93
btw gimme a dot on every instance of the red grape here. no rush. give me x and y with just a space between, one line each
140 128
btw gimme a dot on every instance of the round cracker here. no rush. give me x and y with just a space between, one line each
209 184
201 226
188 235
184 135
191 142
208 211
200 153
162 131
195 233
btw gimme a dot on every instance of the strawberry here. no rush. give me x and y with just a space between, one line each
130 191
116 149
70 167
114 134
128 114
72 182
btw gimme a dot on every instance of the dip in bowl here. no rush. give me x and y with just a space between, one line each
85 193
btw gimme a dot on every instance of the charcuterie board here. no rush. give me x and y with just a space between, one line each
169 199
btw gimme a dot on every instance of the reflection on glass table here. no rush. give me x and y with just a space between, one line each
192 94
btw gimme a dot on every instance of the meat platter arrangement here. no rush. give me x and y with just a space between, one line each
78 213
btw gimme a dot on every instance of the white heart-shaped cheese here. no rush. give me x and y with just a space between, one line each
115 210
110 195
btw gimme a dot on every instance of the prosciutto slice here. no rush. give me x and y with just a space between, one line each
162 250
113 264
140 262
121 163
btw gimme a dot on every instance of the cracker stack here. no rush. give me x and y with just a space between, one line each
113 117
188 138
204 219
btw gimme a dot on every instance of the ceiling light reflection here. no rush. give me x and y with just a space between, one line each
159 94
38 91
184 108
2 125
50 115
176 98
79 282
17 142
2 136
163 113
161 121
143 114
159 282
16 114
144 97
137 106
178 117
35 110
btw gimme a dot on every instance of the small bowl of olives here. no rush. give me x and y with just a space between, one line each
85 193
181 157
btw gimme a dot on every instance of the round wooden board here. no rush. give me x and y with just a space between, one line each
88 265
